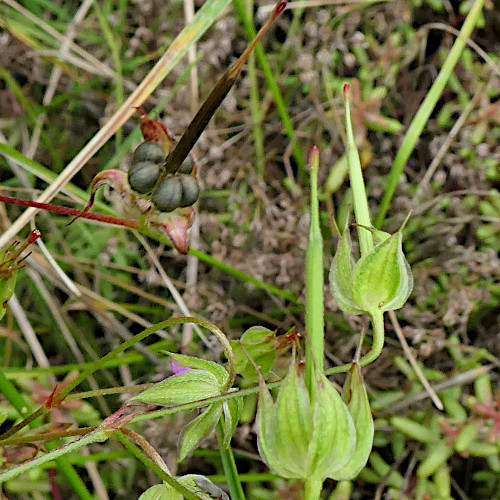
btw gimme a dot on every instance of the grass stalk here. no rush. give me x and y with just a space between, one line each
272 84
424 112
229 466
96 436
140 455
255 107
115 54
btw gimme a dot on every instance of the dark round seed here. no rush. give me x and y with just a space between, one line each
149 151
167 196
143 175
187 166
190 190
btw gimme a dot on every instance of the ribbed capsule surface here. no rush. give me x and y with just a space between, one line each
190 190
143 175
167 196
149 151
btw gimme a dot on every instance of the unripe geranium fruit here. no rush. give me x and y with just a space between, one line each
304 436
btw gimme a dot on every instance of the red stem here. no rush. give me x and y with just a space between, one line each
132 223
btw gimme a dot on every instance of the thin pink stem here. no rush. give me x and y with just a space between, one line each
108 219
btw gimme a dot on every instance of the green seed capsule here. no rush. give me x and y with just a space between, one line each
149 151
143 175
187 166
190 190
167 196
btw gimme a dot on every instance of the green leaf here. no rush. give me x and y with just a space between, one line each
437 456
466 436
232 410
258 343
7 287
413 429
4 415
198 428
161 492
185 387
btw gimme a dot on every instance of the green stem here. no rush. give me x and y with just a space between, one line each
141 336
229 466
374 352
358 186
314 280
97 436
137 453
12 395
424 112
109 35
312 489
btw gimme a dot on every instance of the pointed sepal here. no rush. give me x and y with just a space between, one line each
198 429
354 395
341 275
186 387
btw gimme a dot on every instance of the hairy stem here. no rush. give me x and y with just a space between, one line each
314 280
312 488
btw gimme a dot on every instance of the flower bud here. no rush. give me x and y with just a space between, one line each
196 379
182 388
379 281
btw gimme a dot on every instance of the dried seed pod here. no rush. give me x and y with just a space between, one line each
143 176
167 196
187 166
149 151
190 190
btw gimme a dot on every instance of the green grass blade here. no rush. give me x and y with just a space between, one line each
418 123
239 6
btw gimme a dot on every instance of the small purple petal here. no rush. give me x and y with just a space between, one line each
177 368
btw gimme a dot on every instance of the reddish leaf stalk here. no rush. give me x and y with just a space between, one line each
108 219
